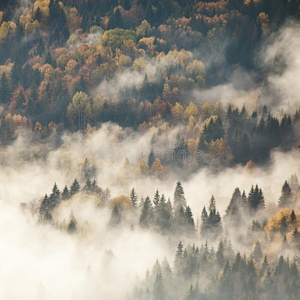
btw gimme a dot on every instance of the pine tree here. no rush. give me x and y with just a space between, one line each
88 185
151 158
190 224
44 205
285 199
146 214
257 252
54 197
255 199
65 193
293 216
133 197
75 187
156 199
72 226
179 198
233 211
20 100
115 218
283 225
220 254
5 92
178 258
204 220
158 288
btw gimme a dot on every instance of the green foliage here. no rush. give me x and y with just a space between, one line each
116 38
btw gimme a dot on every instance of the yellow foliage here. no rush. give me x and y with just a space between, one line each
142 167
7 27
43 5
206 110
207 121
122 202
220 150
158 169
177 112
191 110
274 222
139 64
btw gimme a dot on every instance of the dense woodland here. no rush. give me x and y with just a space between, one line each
266 268
62 64
72 66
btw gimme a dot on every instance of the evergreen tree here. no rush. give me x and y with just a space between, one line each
204 222
178 258
293 216
5 92
20 100
190 224
285 199
115 218
257 252
158 288
146 214
65 193
151 158
233 211
156 199
133 197
179 198
72 226
255 199
220 254
75 187
88 186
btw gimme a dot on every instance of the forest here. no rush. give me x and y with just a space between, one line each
149 149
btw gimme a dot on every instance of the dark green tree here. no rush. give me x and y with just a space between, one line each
75 187
133 197
179 197
115 218
285 199
5 92
65 193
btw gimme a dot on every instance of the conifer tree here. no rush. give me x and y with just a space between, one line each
133 197
72 226
179 198
151 158
257 252
75 187
146 214
65 193
5 92
115 218
156 199
285 199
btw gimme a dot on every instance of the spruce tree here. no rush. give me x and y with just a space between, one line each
20 99
285 199
5 92
179 198
75 187
151 158
72 226
133 197
156 199
65 193
146 214
115 218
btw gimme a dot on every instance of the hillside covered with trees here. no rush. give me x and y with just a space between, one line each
171 132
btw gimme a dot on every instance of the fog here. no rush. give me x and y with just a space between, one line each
40 261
